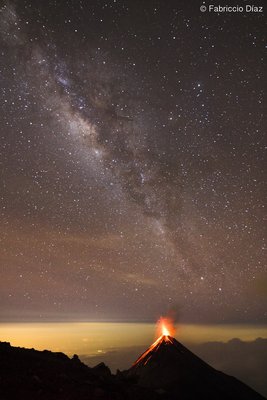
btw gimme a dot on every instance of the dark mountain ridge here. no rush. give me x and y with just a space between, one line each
28 374
166 371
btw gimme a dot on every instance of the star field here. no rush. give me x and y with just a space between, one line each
132 157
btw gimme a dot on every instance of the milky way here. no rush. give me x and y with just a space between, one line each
132 162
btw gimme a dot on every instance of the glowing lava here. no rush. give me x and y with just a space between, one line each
165 327
165 331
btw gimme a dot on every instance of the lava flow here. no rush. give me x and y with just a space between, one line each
165 331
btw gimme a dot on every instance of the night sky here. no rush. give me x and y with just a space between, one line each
132 161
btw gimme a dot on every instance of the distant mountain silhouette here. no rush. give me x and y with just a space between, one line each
171 369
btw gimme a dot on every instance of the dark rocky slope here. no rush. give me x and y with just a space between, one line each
27 374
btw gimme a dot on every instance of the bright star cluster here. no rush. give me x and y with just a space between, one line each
132 153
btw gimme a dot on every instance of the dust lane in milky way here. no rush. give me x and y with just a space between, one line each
132 159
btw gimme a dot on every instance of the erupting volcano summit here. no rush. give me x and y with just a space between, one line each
171 368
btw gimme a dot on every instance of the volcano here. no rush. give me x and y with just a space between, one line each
175 372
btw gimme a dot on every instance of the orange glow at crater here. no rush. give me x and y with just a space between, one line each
165 327
165 331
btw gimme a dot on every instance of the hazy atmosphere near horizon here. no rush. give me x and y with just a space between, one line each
132 179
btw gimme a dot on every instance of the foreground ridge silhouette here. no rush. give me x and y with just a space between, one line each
28 374
166 371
